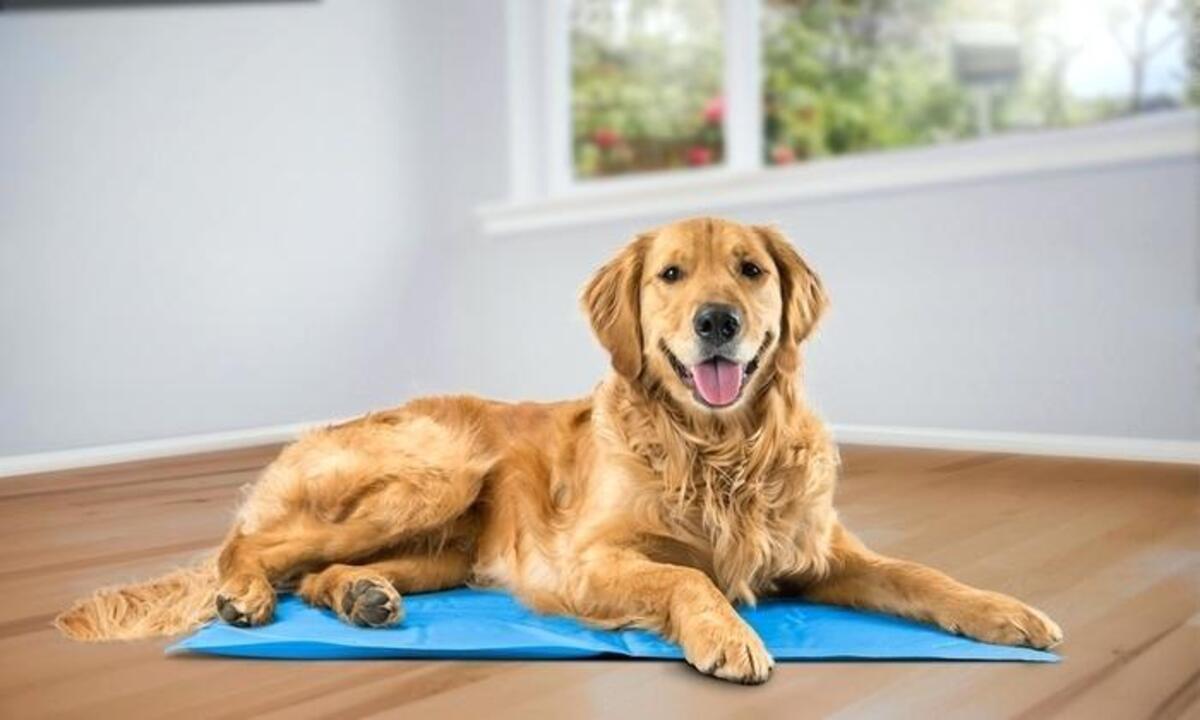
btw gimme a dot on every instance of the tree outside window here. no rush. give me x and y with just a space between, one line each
852 76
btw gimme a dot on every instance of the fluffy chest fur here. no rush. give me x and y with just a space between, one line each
748 506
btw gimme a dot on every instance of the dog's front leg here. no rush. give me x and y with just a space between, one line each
861 578
624 587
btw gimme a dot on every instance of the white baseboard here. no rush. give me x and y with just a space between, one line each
1082 446
1086 446
56 460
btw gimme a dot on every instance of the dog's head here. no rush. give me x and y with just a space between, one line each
701 306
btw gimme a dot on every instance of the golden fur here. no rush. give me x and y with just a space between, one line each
639 505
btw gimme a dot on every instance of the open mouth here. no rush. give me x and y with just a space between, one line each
716 381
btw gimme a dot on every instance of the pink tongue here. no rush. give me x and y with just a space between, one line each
718 381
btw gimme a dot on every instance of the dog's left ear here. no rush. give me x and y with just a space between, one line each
804 299
612 301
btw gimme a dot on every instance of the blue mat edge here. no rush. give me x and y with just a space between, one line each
259 643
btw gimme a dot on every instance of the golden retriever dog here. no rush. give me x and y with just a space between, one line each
692 478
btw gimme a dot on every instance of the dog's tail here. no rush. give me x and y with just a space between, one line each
179 601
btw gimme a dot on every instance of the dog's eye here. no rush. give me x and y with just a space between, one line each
671 273
750 270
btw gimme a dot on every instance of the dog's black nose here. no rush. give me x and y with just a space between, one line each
717 324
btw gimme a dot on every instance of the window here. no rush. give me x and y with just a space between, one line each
656 108
645 85
839 77
845 77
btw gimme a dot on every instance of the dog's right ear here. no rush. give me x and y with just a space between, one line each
612 303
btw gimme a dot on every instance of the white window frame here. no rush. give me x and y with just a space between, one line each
545 194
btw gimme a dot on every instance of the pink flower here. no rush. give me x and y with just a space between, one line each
606 138
782 155
714 110
699 155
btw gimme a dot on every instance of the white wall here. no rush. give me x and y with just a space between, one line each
225 216
209 216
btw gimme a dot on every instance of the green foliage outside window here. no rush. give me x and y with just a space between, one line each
842 77
646 85
845 76
849 76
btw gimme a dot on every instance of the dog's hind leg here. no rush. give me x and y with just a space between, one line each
370 594
344 494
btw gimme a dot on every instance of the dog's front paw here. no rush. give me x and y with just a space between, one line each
246 601
996 618
370 602
726 648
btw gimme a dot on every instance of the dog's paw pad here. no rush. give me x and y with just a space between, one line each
230 613
246 602
372 602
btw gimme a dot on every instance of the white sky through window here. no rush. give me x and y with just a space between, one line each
1101 69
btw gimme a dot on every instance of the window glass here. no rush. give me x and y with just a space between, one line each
845 76
645 85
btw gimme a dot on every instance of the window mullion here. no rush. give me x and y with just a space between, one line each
559 133
743 84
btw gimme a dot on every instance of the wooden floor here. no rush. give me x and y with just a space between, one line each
1109 549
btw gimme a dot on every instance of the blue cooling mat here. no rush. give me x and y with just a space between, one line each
486 624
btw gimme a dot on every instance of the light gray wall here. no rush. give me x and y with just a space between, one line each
1058 303
230 216
210 216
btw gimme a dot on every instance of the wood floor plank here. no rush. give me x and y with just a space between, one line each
1111 549
1151 678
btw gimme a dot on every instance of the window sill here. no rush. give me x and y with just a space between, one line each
1161 136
